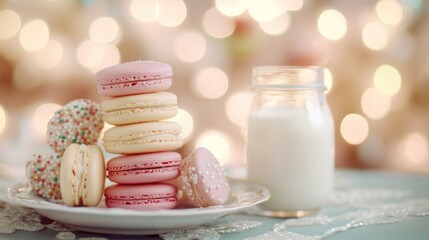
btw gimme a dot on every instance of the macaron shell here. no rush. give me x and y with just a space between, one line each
144 175
140 108
67 180
132 71
143 205
133 78
94 174
203 179
143 137
144 168
153 196
143 161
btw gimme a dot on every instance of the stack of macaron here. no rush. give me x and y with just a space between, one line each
138 107
148 172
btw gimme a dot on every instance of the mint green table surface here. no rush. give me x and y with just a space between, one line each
412 228
409 228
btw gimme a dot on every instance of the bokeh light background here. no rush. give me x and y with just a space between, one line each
376 55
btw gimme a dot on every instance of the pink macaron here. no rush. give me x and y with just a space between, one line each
150 196
134 78
144 168
203 180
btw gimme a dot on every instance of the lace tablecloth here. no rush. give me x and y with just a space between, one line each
364 205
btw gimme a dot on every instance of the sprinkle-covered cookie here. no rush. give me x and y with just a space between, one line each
80 121
43 173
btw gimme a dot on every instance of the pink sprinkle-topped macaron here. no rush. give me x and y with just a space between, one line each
134 78
203 180
150 196
144 168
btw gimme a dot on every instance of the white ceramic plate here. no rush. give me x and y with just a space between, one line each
122 221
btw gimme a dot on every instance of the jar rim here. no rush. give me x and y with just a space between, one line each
288 67
287 77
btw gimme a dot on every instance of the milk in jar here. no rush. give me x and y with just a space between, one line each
290 141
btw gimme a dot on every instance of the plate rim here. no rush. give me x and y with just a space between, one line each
60 208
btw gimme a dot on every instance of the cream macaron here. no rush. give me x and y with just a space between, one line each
82 175
143 137
139 108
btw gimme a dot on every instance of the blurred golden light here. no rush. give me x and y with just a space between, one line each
49 56
171 12
237 107
10 23
104 30
389 11
2 119
190 47
217 143
293 5
26 75
231 8
144 11
210 83
89 54
34 35
354 129
375 36
42 115
277 25
218 25
265 10
415 147
332 24
327 77
374 104
96 56
387 80
186 122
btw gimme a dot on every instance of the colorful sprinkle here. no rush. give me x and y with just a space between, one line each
79 121
43 172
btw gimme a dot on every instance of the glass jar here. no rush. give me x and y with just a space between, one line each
290 139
